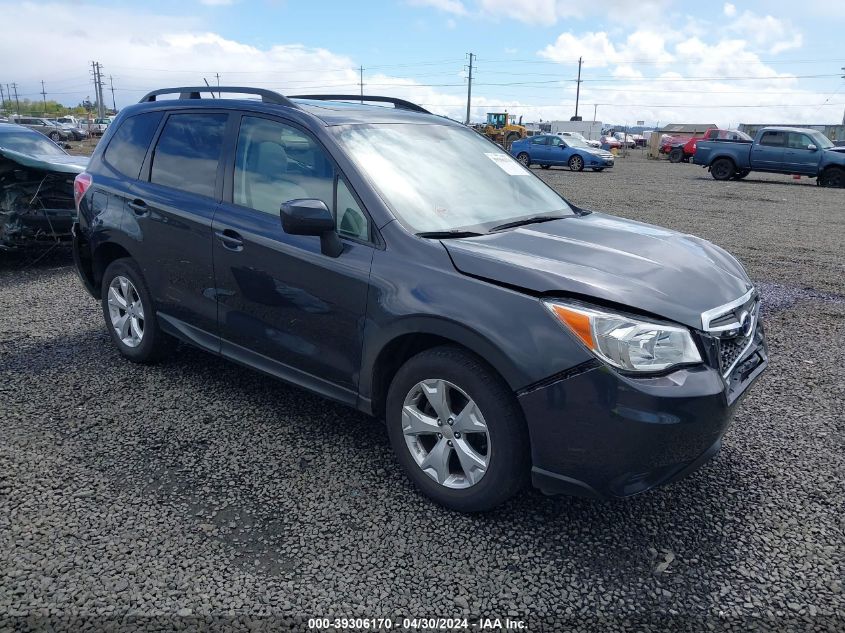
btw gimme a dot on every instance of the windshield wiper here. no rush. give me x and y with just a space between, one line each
445 235
532 220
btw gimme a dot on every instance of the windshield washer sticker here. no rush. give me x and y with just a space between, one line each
508 165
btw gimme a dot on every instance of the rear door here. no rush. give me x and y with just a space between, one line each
169 215
797 155
284 306
767 155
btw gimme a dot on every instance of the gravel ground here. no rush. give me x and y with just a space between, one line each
196 494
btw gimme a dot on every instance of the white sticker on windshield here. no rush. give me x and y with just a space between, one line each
508 165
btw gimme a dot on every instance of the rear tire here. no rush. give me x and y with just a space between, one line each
55 136
676 155
722 169
498 438
130 314
576 163
832 177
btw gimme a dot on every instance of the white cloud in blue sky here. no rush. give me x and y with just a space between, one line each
657 60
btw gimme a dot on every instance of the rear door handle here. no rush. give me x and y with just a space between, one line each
230 239
139 206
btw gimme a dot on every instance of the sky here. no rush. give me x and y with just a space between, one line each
658 61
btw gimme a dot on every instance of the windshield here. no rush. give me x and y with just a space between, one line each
574 141
27 142
447 178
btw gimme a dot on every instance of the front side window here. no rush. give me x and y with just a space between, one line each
276 163
555 141
188 152
442 177
128 146
798 141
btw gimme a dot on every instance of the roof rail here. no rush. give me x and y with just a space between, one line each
400 104
193 92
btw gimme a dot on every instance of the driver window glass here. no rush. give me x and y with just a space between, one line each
555 141
351 221
275 163
798 141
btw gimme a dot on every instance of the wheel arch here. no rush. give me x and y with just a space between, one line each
415 335
103 255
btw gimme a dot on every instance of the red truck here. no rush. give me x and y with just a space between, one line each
682 149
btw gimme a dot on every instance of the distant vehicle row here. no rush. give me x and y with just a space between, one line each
549 149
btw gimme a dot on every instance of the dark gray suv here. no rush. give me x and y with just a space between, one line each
400 263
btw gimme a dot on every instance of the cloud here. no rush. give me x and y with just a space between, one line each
598 50
455 7
217 3
729 9
766 32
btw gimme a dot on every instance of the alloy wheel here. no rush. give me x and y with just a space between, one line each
446 433
576 164
523 158
126 311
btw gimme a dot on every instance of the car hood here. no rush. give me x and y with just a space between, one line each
649 268
66 163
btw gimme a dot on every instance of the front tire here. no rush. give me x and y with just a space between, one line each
722 169
525 159
576 163
129 313
457 430
55 136
832 177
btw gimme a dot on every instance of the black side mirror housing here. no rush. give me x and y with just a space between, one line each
310 216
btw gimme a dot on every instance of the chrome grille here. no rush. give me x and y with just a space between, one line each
734 326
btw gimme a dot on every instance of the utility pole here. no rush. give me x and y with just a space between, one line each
44 97
102 110
113 102
17 103
577 89
361 81
469 87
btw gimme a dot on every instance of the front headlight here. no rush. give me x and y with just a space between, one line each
625 342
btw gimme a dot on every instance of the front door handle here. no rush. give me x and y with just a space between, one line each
139 206
230 239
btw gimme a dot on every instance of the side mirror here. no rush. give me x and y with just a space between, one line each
812 147
309 216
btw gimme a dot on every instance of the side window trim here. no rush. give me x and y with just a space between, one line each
228 196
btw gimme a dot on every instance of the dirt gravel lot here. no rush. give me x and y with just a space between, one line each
197 494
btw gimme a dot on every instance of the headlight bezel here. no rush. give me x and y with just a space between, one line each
584 329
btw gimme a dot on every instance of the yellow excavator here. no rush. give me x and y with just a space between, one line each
501 129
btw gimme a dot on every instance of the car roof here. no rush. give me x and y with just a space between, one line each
14 127
780 128
329 113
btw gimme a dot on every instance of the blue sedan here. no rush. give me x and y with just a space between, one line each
548 149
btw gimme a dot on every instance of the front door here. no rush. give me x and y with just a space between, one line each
282 304
539 149
798 157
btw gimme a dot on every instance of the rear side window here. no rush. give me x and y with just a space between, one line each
188 151
774 139
129 144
